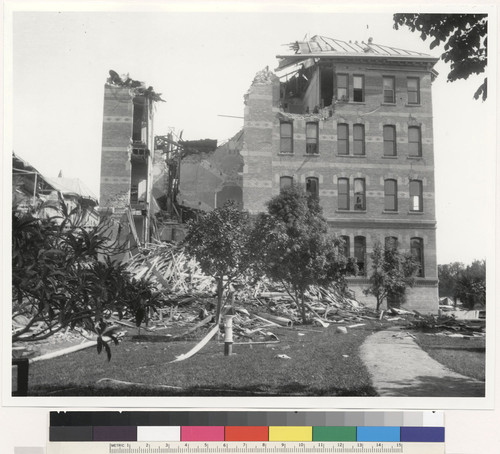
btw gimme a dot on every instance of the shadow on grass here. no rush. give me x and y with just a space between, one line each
431 386
292 389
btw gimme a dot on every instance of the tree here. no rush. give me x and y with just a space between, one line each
448 275
291 245
63 276
465 39
470 286
218 241
392 272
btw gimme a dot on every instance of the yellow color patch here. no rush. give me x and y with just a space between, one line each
290 433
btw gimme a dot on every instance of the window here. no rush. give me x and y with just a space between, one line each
343 191
359 140
389 140
342 87
285 182
413 84
360 253
416 202
391 242
414 141
358 83
343 138
389 93
312 187
286 137
312 138
391 195
345 246
359 194
417 252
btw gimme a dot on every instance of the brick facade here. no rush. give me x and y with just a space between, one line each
267 107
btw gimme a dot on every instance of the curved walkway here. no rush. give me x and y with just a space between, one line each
399 367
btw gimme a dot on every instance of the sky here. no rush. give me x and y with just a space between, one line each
203 63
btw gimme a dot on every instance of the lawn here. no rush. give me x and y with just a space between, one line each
463 355
322 362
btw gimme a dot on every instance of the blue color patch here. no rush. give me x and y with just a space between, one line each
379 433
422 434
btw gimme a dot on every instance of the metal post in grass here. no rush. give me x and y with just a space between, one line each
228 334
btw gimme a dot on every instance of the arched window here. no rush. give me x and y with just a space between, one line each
343 193
390 140
416 200
360 254
286 137
359 194
358 140
312 186
285 182
343 138
417 252
414 141
391 195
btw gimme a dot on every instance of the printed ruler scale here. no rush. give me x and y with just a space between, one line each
237 433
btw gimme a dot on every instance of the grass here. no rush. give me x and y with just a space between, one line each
322 362
463 355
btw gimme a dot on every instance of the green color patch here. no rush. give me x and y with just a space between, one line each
340 433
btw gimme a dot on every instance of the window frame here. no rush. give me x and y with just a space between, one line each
362 194
391 242
417 252
315 139
393 89
345 194
389 196
346 246
419 195
338 87
283 137
417 90
360 245
358 90
359 127
393 141
314 194
344 141
418 142
285 178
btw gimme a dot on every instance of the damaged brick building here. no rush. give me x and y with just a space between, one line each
350 122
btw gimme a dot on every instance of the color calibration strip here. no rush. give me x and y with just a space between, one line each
206 426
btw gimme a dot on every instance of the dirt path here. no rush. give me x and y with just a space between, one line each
399 367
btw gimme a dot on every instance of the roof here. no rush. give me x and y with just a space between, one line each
71 186
322 46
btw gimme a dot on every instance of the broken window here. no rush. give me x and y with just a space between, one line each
359 194
343 193
417 252
416 195
391 195
312 138
139 129
343 138
285 182
389 140
388 87
342 87
312 187
414 141
358 83
413 85
286 137
360 254
326 86
359 140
